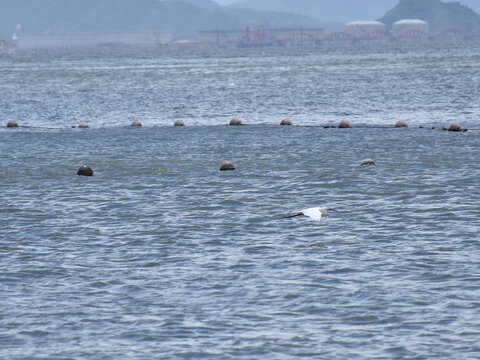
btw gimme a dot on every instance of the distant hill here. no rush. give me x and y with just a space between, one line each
331 10
335 10
472 4
207 4
439 15
184 18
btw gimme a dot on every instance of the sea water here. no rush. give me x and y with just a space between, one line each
161 255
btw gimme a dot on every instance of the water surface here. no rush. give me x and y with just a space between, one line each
161 255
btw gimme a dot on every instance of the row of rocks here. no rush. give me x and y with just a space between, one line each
85 170
344 124
224 166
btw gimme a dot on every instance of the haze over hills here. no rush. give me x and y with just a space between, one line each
207 4
184 18
334 10
439 15
331 10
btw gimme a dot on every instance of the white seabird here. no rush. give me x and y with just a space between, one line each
315 213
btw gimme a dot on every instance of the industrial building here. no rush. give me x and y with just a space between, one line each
260 36
365 29
354 33
221 37
56 40
410 28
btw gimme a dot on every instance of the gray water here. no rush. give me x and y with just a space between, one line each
161 255
310 86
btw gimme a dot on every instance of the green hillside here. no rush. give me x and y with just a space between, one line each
439 15
184 19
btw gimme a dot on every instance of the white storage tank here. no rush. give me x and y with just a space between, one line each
409 25
361 28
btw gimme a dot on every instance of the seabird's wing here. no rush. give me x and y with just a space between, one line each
313 213
297 214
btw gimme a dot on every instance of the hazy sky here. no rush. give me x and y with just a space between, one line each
473 4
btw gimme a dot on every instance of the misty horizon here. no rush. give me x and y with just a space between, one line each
376 8
186 18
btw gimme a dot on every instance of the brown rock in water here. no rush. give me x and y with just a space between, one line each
85 171
136 123
235 121
367 162
12 123
227 165
344 124
179 123
286 122
455 127
83 126
401 124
